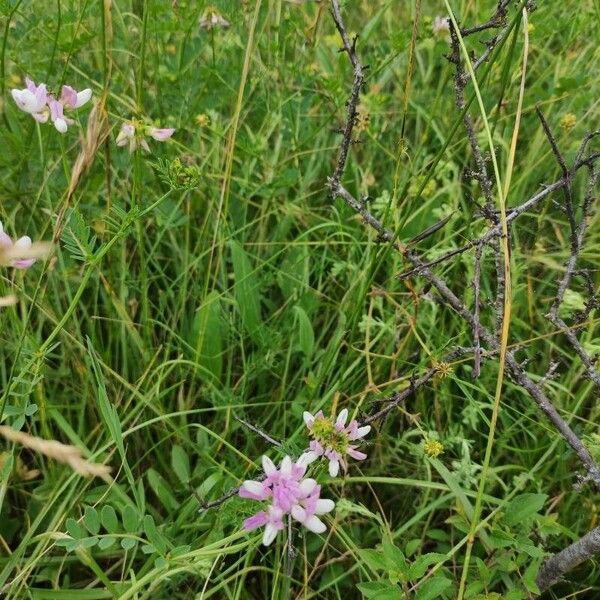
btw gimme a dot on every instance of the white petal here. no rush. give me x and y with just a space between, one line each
362 431
286 466
61 125
307 486
342 418
324 506
334 468
307 458
268 467
298 513
25 100
308 419
254 487
269 535
83 97
315 525
23 243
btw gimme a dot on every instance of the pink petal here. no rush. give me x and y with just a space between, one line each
161 134
254 490
356 454
255 521
68 96
359 432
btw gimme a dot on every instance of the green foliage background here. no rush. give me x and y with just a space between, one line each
214 279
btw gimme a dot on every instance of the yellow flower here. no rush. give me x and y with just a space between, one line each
530 27
568 121
202 119
443 369
433 448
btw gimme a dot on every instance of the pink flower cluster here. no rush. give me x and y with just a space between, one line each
41 105
289 494
332 440
287 489
133 133
23 244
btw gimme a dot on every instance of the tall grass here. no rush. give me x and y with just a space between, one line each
214 278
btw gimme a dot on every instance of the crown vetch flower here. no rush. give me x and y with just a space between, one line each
133 133
40 104
61 123
441 27
289 494
32 99
71 98
332 439
22 244
161 134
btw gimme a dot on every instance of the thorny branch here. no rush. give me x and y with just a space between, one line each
555 567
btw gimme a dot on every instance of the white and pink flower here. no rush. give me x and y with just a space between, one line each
36 101
133 134
441 27
22 245
71 98
32 99
289 494
332 439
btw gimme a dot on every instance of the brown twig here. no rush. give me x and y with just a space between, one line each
520 375
553 569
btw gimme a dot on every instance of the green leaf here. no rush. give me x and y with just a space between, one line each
75 529
131 519
432 588
246 290
412 545
379 590
108 516
91 520
154 537
374 559
394 558
526 547
106 542
161 489
523 507
127 543
530 575
76 236
500 539
180 463
306 335
180 550
422 563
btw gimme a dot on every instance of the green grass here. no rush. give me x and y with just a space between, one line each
166 312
